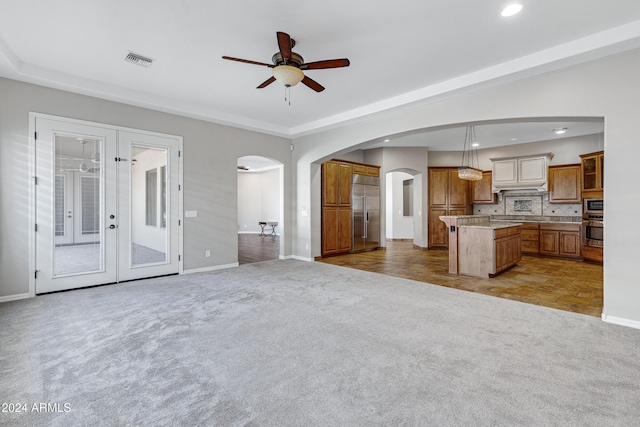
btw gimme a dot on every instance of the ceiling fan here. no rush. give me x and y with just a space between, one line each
288 66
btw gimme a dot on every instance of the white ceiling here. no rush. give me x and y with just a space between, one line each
401 52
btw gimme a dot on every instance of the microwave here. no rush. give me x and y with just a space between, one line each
594 206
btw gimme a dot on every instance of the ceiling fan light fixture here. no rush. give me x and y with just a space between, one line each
288 75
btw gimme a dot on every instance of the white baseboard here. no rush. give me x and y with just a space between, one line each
213 268
14 297
286 256
302 258
620 321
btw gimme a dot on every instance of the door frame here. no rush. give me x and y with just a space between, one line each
32 188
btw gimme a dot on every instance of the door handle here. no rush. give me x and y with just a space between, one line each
112 226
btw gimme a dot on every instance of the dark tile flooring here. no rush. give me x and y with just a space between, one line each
563 284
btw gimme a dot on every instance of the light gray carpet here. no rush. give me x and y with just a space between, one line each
289 343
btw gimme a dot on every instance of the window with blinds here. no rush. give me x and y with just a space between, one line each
151 197
59 205
90 204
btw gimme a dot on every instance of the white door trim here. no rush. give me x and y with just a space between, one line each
32 188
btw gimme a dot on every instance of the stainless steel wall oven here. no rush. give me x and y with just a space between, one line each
593 231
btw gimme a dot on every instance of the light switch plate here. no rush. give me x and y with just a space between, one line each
191 214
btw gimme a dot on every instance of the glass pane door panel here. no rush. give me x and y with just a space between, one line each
78 207
149 234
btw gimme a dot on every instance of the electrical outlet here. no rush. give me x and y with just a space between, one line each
207 253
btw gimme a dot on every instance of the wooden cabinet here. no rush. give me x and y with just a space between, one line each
560 240
360 169
336 184
448 195
593 254
486 251
508 248
336 207
592 174
530 235
481 190
336 230
337 176
565 184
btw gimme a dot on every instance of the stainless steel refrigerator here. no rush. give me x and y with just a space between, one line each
365 202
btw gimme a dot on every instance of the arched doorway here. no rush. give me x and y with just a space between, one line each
260 209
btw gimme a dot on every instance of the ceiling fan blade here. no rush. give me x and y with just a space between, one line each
246 61
329 63
312 84
267 82
284 43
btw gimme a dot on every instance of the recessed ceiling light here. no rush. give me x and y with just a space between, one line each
511 10
475 144
560 131
514 139
386 140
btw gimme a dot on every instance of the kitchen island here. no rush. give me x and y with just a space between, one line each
480 247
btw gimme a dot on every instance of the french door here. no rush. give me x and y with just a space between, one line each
106 204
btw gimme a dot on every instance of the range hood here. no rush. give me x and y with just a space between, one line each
521 173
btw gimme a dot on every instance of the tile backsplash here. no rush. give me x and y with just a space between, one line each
528 204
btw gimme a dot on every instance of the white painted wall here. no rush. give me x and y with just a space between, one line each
608 87
258 199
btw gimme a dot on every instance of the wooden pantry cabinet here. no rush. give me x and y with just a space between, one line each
448 195
336 203
336 207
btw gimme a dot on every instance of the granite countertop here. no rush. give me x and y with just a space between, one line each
493 225
538 219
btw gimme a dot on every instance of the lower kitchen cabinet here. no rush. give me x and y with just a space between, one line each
438 231
593 254
484 251
507 248
530 238
336 231
560 240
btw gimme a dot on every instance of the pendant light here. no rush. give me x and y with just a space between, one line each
469 168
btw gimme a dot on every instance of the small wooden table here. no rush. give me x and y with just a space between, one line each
272 224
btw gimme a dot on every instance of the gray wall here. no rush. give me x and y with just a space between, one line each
210 174
608 88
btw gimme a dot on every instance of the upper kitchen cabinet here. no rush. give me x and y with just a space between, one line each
520 173
564 184
481 190
368 170
336 183
592 174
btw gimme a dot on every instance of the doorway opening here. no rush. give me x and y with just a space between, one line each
403 200
260 209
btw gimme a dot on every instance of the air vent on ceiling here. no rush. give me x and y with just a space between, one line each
140 60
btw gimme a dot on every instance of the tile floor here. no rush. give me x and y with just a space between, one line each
562 284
